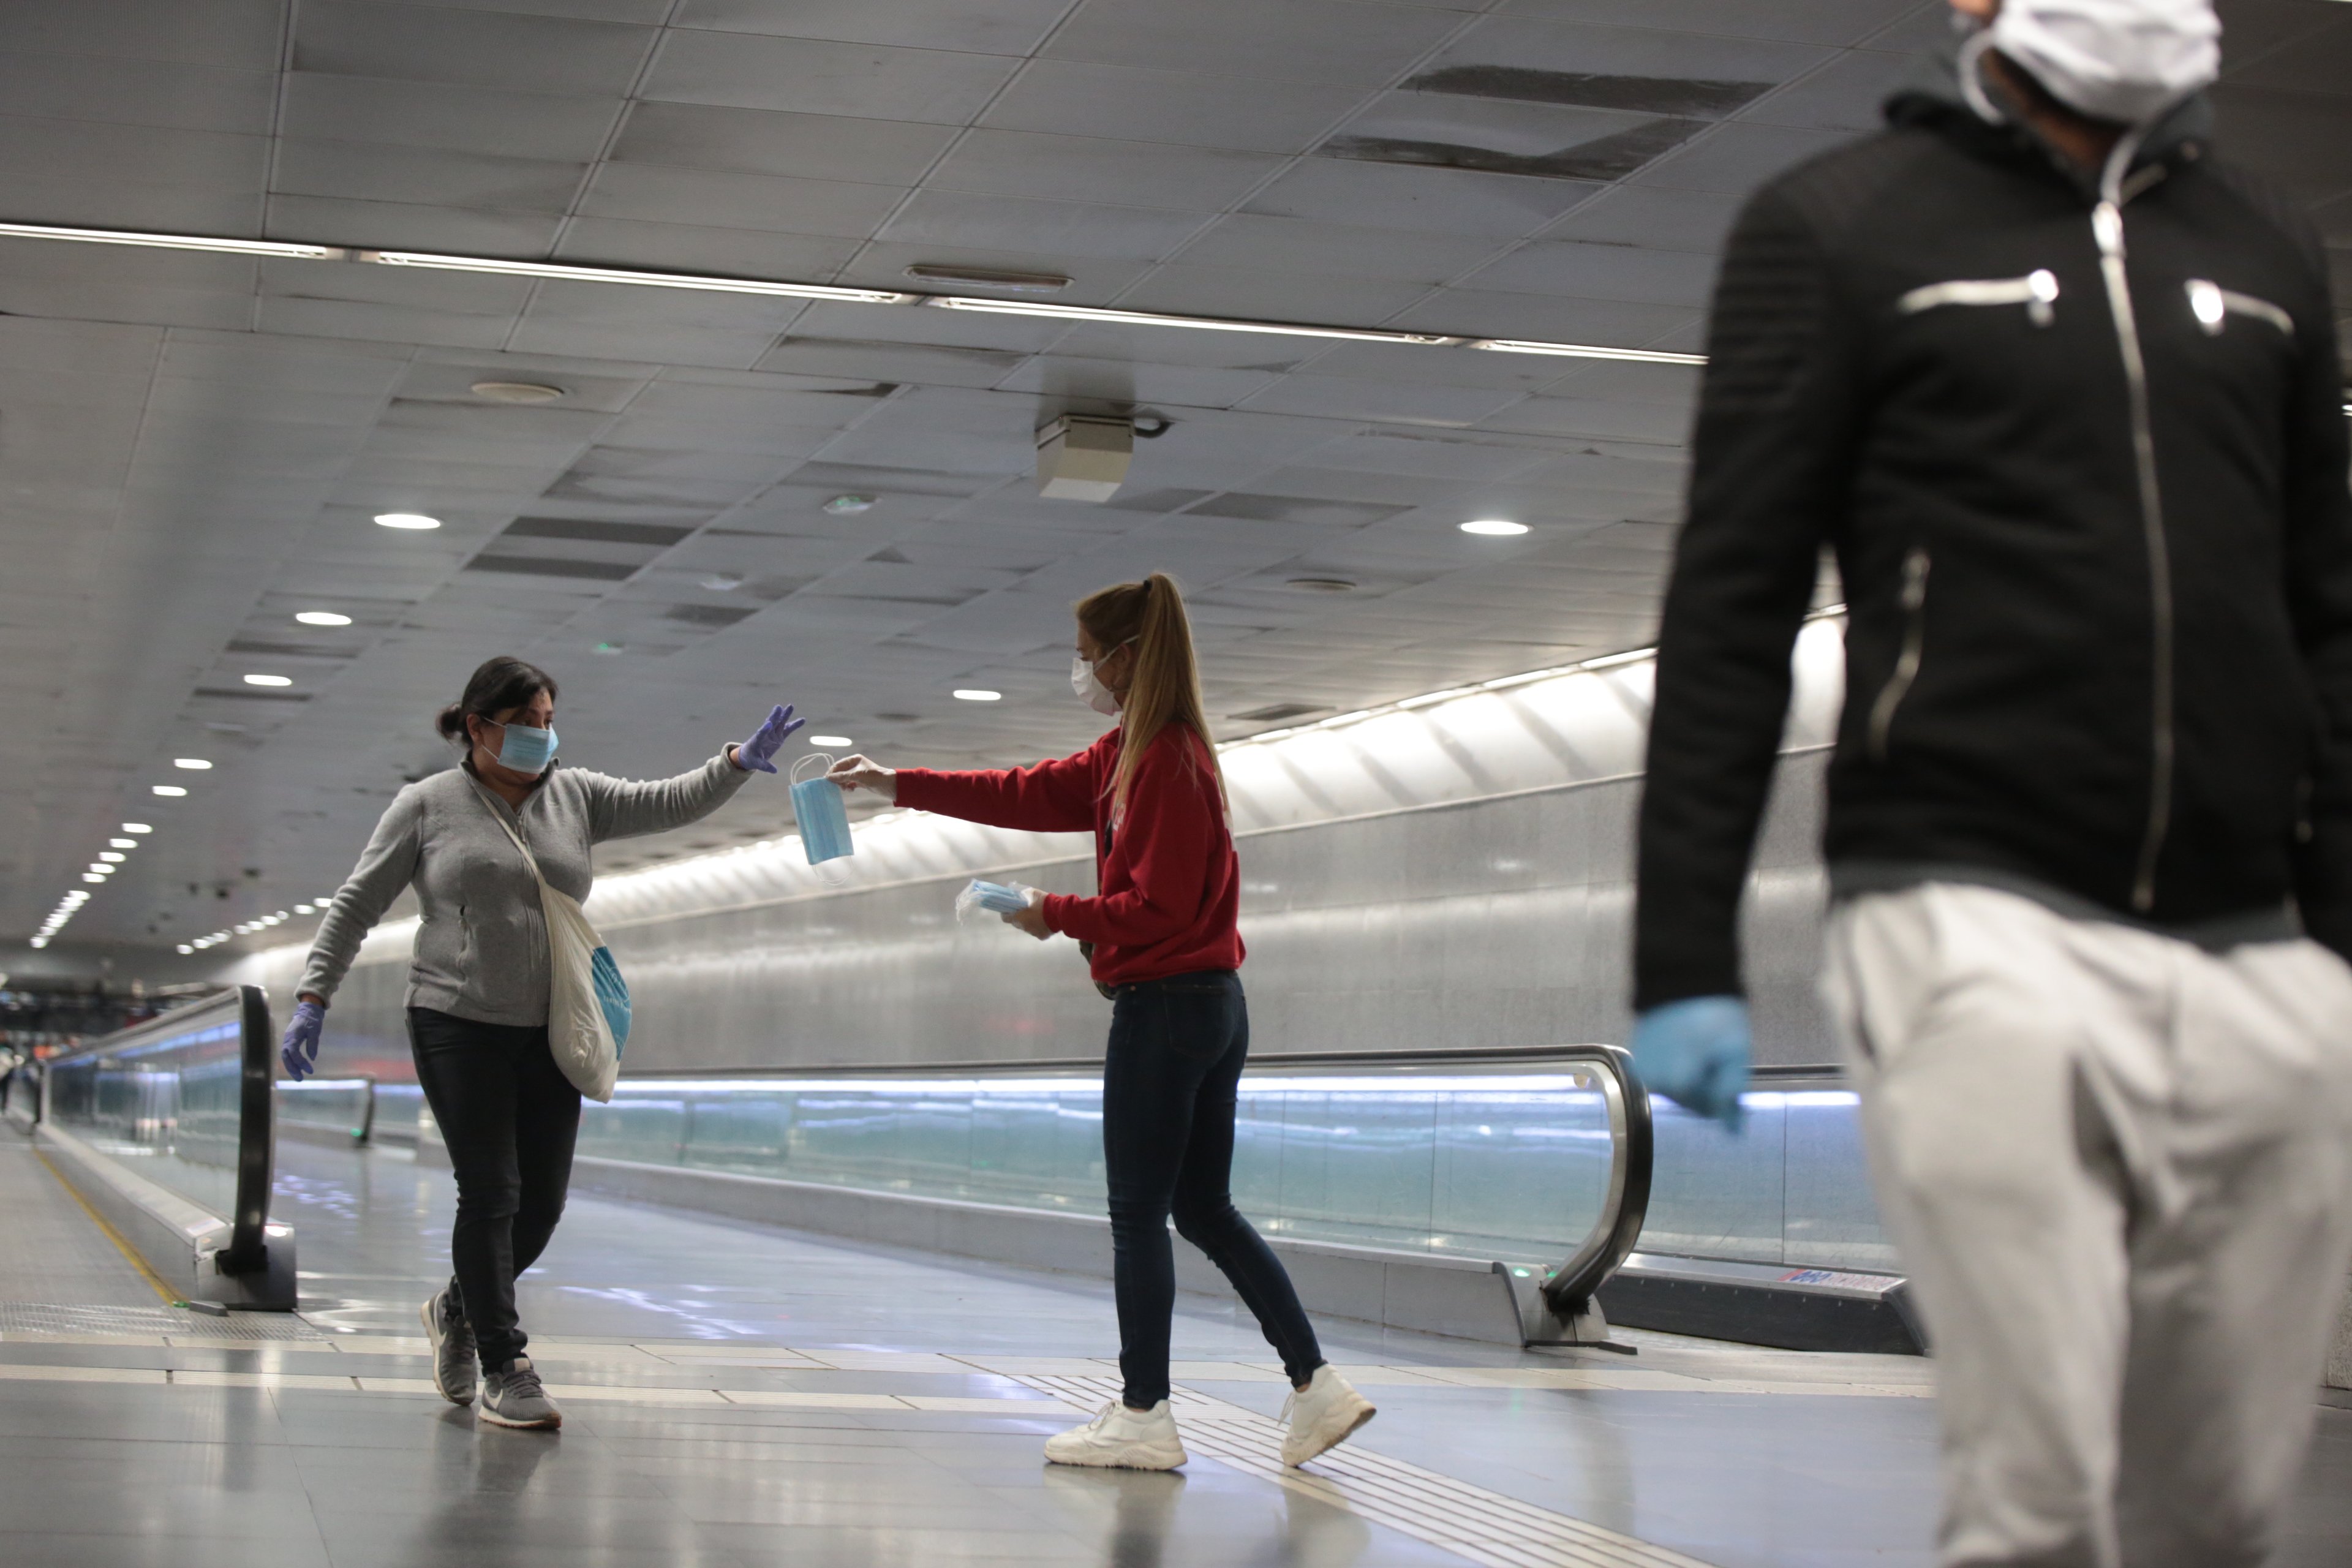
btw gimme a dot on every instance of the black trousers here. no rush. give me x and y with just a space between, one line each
1177 1047
509 1118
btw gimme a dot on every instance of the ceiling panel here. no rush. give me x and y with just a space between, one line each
1076 97
746 71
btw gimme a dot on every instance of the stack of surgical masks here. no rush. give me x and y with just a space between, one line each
991 898
824 818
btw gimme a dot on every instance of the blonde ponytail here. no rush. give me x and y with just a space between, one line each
1167 685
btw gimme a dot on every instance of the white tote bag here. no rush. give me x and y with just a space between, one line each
587 1001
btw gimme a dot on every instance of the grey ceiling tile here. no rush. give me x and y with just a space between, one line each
1094 281
1488 461
98 154
1845 94
652 343
418 43
1333 41
1095 381
399 226
1796 21
1456 201
716 200
242 359
1737 157
235 33
1669 383
46 261
766 141
1581 53
137 92
1098 169
1650 217
461 293
863 81
1346 397
128 203
567 128
1252 295
1472 313
1591 417
650 12
359 171
1508 137
1290 245
155 305
1600 272
1000 27
1078 98
687 247
877 361
954 217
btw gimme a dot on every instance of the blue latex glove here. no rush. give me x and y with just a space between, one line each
299 1049
752 755
1696 1053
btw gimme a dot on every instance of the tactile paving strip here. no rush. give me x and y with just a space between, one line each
1471 1522
43 1318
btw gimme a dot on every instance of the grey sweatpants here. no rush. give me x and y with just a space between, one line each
2119 1170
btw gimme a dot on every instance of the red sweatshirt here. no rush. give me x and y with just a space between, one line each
1170 885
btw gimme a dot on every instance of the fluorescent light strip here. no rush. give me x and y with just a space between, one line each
1584 351
174 241
556 271
1204 323
564 272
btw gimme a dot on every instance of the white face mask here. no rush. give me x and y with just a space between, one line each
1089 686
2124 60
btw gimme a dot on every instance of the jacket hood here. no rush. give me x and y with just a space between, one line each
1931 97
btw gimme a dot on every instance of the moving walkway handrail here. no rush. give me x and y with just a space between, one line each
257 1131
1568 1289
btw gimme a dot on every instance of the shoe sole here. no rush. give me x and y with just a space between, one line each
1128 1459
432 1340
1355 1424
546 1424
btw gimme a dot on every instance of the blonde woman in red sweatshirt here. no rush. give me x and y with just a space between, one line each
1163 940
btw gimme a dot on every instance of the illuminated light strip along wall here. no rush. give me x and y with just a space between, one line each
558 271
1568 724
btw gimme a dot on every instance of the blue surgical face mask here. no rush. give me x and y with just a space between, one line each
526 750
824 820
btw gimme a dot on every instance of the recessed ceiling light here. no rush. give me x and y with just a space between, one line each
113 856
186 947
269 680
612 648
840 504
91 877
171 791
101 868
193 764
415 520
38 941
516 390
722 582
123 844
304 909
1322 584
990 278
321 618
977 694
1496 527
831 740
136 828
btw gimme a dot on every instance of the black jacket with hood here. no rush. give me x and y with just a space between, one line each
2079 446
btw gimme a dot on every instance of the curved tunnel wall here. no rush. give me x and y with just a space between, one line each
1452 874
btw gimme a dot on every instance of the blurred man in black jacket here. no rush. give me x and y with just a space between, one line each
2060 390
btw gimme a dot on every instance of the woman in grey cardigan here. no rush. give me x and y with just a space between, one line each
477 988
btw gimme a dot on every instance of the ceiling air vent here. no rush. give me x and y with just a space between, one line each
1281 711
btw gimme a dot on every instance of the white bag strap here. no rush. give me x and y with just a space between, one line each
501 818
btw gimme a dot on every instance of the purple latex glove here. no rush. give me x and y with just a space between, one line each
752 755
299 1049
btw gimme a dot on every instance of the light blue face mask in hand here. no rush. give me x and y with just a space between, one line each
818 807
526 750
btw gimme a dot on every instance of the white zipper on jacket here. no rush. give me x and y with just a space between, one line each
1907 662
2107 229
2037 291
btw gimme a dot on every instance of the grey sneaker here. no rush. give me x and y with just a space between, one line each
514 1397
455 1368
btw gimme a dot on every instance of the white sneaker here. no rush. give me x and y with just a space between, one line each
1322 1415
1122 1439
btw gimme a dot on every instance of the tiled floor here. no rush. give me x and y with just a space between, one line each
739 1397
